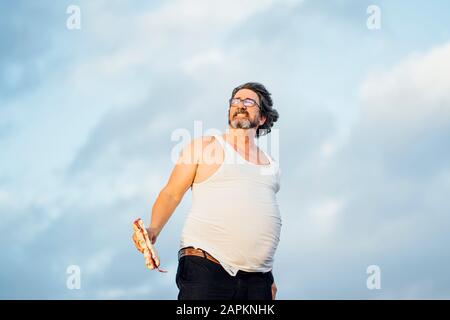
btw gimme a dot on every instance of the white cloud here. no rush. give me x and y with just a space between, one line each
202 16
340 203
325 213
203 60
98 262
410 99
375 196
6 198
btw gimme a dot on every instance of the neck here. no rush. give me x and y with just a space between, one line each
242 137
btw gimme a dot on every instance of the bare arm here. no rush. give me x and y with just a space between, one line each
180 180
274 290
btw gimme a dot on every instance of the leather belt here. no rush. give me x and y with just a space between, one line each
190 251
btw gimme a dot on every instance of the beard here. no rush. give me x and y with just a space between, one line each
243 122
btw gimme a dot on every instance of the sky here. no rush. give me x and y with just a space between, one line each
87 118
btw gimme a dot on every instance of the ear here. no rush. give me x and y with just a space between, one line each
262 120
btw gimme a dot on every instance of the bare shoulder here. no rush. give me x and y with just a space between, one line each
194 151
201 143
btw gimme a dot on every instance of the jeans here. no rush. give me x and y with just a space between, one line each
201 279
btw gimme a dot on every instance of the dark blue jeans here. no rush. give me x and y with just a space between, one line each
201 279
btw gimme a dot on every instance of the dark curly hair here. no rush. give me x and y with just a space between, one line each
265 109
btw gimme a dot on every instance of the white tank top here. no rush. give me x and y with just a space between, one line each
235 215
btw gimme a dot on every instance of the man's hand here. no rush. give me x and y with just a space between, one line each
274 290
153 234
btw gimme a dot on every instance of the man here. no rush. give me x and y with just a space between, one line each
232 231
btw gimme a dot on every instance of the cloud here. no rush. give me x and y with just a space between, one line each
365 178
390 179
405 111
413 96
26 49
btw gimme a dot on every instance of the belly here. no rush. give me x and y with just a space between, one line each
245 234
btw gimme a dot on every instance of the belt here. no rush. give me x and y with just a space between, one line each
190 251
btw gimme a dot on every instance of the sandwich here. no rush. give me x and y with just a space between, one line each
144 245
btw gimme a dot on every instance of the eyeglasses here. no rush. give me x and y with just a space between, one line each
248 103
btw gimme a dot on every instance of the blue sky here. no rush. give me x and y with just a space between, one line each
86 118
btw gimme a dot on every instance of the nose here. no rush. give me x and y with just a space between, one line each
242 110
241 104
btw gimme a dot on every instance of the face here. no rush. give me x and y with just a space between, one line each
242 117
